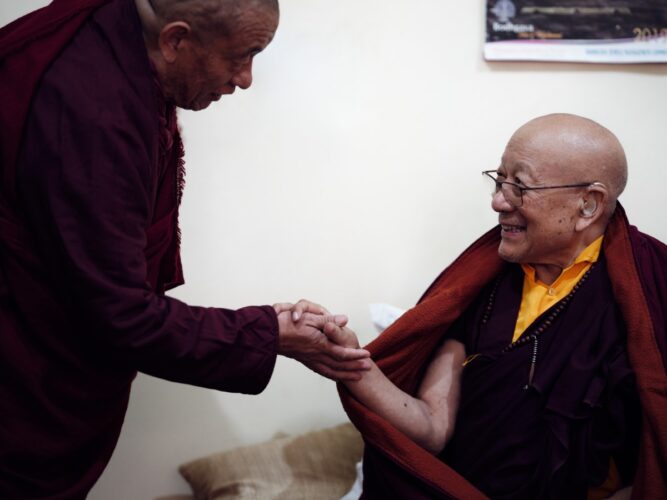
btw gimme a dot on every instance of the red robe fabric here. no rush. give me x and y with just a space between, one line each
27 46
637 267
89 193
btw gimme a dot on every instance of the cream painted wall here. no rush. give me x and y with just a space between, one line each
349 174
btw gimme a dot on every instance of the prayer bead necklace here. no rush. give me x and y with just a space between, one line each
537 331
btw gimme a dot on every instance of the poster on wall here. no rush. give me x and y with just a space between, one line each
591 31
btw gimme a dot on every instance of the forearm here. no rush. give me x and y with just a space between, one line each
427 418
410 415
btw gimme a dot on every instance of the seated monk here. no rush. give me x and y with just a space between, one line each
520 372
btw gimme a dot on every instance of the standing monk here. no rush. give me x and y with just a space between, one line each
91 180
516 372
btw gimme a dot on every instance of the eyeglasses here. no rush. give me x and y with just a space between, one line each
513 193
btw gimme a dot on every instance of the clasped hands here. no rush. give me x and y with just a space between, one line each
321 341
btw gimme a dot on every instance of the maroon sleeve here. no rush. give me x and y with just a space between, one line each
86 186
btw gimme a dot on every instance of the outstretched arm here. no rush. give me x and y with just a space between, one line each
427 418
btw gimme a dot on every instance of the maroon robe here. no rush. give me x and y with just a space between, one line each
637 270
91 182
550 435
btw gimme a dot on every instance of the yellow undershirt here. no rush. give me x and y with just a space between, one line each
537 297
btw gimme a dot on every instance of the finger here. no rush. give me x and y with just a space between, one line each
340 353
320 320
282 307
306 306
340 319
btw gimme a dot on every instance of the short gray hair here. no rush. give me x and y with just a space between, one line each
208 18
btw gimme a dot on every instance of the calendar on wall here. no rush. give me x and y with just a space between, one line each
587 31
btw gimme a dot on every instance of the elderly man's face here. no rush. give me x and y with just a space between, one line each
542 230
204 73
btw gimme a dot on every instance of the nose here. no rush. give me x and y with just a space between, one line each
499 203
243 77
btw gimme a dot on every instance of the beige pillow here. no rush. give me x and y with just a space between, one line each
314 466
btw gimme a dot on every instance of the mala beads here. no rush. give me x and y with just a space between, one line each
536 331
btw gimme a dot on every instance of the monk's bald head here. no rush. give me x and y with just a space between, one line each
578 150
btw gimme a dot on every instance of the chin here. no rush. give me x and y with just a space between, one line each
198 106
192 105
508 256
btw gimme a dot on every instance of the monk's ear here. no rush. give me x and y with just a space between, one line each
592 205
173 39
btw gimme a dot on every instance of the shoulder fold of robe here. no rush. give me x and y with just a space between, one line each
27 47
637 266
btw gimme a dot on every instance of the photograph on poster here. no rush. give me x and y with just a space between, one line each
594 31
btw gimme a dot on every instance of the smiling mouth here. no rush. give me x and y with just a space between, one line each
507 228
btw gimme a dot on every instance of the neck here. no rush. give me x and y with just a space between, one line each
548 273
148 16
150 25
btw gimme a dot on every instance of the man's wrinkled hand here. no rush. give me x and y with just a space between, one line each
305 341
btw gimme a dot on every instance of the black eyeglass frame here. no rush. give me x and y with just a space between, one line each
499 185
